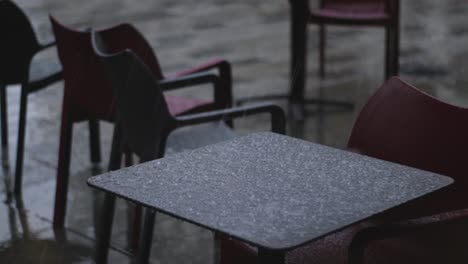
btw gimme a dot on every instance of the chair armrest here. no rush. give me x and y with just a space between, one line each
220 65
188 81
222 98
410 227
278 118
47 45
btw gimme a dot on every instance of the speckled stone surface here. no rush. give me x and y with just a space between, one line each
270 190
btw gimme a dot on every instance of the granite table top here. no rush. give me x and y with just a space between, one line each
270 190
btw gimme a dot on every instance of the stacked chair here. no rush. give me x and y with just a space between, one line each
145 125
88 95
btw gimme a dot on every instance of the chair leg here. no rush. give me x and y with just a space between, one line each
146 239
388 53
4 120
297 78
63 172
23 218
105 229
135 213
115 159
392 51
395 50
322 44
128 157
146 234
225 73
394 27
217 247
94 141
21 137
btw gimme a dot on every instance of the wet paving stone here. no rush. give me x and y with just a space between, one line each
201 25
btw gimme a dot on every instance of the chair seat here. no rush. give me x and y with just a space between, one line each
443 245
180 105
193 137
372 13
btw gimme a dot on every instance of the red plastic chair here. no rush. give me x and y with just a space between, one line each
376 13
382 13
88 94
18 47
403 125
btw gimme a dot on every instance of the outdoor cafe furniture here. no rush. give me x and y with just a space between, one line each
404 125
145 125
18 47
271 191
88 94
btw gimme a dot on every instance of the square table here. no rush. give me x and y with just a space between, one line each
272 191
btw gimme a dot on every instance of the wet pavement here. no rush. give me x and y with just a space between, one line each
254 36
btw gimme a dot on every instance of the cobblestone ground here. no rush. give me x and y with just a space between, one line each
254 36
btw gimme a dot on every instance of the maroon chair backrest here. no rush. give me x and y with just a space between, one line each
325 2
404 125
87 89
350 3
17 45
142 112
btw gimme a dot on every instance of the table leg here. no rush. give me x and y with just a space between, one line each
146 237
105 229
267 256
4 123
